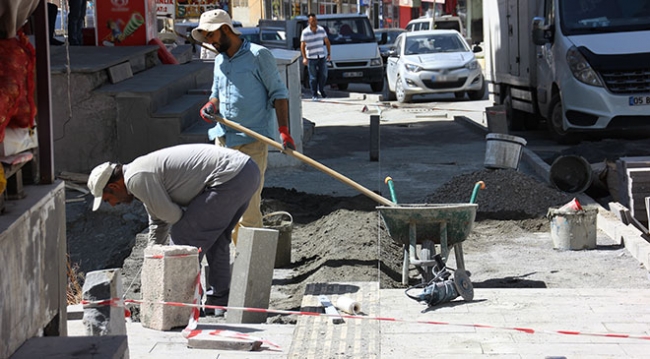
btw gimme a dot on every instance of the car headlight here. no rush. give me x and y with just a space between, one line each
581 69
376 62
412 68
472 65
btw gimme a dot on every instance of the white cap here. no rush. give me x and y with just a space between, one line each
97 181
211 21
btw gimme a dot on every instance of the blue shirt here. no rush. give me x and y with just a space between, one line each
246 86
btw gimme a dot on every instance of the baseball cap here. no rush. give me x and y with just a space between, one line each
211 21
97 181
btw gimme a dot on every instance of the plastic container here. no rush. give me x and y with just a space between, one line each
573 230
571 174
503 151
283 223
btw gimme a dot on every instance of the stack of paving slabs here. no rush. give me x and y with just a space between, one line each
634 185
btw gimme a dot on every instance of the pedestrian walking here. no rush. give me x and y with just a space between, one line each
314 57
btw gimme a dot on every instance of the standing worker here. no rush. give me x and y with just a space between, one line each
314 57
76 20
246 89
194 193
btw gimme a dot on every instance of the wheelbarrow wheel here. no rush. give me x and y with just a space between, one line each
427 251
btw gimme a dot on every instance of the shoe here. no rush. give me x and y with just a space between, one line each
212 300
323 94
314 99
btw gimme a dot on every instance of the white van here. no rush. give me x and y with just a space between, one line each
445 22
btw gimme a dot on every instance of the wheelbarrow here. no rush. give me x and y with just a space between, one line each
447 225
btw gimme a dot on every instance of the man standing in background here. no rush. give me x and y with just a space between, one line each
314 57
76 19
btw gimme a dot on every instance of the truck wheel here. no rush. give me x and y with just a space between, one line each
401 95
555 121
342 87
514 118
377 86
386 93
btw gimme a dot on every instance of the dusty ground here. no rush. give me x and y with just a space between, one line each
343 239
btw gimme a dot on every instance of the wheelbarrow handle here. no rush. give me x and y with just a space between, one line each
477 186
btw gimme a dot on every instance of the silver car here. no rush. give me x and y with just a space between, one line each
431 62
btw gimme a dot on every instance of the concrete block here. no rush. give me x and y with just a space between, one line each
182 53
103 319
120 72
252 274
224 344
169 274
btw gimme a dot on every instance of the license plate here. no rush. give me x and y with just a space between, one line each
443 78
639 100
353 74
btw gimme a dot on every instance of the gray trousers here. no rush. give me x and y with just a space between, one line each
209 220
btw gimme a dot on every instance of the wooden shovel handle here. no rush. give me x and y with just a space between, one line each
307 160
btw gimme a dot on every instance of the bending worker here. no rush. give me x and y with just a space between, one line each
195 193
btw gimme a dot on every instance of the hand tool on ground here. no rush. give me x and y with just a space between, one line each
330 309
305 159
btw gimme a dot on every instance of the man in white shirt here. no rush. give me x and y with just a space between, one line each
314 57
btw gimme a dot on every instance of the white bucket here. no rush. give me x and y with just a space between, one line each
503 151
573 230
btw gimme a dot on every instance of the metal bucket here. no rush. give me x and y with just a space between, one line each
573 230
503 151
278 221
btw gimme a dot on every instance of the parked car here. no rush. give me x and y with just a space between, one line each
386 40
252 34
431 62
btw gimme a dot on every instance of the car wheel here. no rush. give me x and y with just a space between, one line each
377 86
555 122
342 87
459 95
386 93
401 95
478 94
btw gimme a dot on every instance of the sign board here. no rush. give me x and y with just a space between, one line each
125 22
165 8
194 8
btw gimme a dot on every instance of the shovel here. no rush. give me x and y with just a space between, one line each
372 195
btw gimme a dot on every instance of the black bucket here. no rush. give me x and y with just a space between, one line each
571 174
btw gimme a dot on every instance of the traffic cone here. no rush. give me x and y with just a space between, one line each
574 206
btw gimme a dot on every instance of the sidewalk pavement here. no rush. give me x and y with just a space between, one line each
392 328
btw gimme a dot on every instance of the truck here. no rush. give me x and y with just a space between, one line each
355 56
578 66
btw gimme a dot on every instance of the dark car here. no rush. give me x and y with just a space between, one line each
386 39
252 34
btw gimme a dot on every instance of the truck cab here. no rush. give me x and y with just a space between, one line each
578 65
354 56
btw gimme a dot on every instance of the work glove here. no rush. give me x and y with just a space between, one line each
208 112
287 141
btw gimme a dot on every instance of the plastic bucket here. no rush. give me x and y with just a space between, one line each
573 230
283 223
503 151
571 174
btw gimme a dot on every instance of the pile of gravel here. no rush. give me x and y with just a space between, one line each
508 194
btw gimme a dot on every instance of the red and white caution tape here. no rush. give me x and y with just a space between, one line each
388 319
